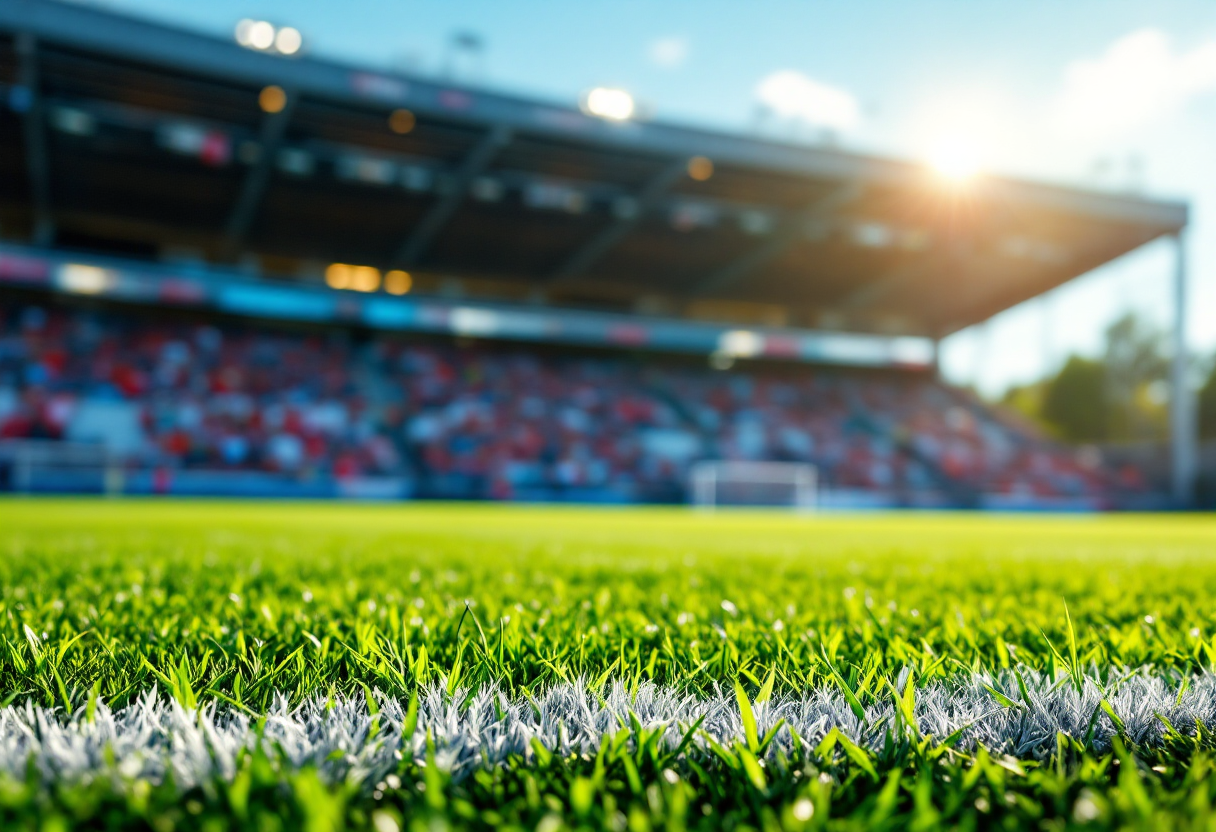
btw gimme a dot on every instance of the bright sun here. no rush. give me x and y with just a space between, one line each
955 157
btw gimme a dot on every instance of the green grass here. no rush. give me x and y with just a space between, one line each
233 602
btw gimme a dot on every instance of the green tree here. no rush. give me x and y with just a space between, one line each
1075 401
1120 397
1026 400
1137 380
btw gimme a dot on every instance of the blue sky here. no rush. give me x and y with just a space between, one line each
1113 94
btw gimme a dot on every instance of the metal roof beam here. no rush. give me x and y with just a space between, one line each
607 239
812 221
873 291
415 246
274 127
954 256
37 159
974 300
131 39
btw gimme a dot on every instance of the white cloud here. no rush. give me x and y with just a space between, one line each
790 94
1139 79
669 52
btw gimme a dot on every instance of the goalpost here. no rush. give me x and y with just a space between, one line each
51 465
715 483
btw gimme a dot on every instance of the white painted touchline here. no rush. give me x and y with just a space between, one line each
155 735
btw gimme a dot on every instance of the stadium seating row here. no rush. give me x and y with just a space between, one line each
480 422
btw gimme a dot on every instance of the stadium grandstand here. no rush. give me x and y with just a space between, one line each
225 271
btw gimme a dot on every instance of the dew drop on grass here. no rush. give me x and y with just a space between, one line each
384 822
1085 809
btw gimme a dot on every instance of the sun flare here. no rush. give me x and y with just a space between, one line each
955 157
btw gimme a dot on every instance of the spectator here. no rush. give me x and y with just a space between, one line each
505 423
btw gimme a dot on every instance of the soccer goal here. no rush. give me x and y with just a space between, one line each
738 483
43 465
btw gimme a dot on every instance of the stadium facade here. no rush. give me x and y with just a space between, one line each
158 183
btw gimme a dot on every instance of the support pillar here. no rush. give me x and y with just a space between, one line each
1183 442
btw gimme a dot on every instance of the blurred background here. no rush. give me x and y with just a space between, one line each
1119 96
1059 155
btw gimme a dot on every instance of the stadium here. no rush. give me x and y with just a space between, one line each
239 271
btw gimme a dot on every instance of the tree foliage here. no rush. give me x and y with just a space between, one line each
1075 402
1207 405
1121 396
1137 380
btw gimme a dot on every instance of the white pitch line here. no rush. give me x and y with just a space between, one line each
155 735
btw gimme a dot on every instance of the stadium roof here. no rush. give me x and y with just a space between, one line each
134 137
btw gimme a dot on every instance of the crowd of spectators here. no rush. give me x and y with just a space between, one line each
502 422
887 432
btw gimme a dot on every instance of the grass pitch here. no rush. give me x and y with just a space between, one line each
248 608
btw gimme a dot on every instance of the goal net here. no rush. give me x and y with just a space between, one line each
43 465
738 483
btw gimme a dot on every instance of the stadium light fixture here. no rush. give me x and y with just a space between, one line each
337 276
398 282
401 121
258 34
364 278
700 168
355 278
609 103
85 280
263 36
288 41
272 99
244 32
740 343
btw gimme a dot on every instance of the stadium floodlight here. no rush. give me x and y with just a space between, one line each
354 278
700 168
263 36
254 34
398 282
714 483
288 41
364 278
272 99
244 32
81 279
607 102
337 276
741 343
401 121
